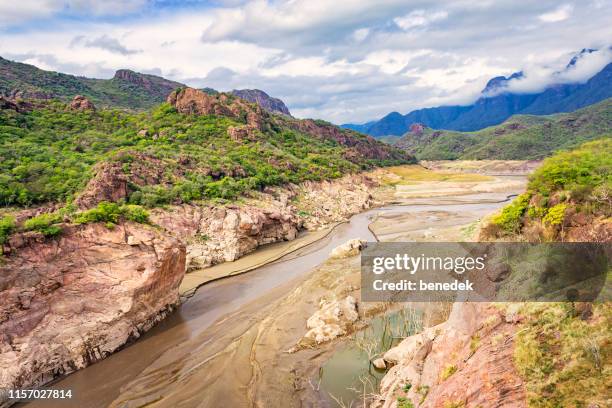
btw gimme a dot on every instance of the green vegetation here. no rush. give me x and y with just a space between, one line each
129 89
44 223
422 390
510 218
519 138
565 359
448 371
573 182
112 213
7 225
48 155
403 402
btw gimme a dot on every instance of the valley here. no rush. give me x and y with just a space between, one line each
228 334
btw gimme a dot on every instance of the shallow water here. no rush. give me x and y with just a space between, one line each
98 385
349 375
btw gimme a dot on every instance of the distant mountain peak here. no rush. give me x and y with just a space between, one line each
578 56
264 100
497 84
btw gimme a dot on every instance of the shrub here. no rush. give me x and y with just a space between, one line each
510 217
403 402
448 371
44 223
112 213
135 213
7 225
555 215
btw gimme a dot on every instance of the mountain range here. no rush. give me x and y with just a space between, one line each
496 104
127 89
521 137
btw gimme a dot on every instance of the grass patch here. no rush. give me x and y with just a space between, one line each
414 173
565 361
403 402
447 372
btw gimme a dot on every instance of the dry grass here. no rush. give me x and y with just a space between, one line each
565 360
414 173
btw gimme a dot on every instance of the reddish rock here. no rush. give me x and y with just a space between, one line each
483 371
196 102
109 183
358 146
417 129
68 302
15 104
81 103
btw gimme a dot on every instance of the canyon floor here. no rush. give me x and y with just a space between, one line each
256 338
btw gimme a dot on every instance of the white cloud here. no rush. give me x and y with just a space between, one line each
346 60
559 14
419 18
361 34
15 12
537 76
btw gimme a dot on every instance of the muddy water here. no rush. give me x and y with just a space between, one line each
101 383
349 373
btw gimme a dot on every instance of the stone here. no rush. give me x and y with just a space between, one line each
81 103
379 363
333 319
348 249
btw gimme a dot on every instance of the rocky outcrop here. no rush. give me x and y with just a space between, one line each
417 129
157 87
348 249
109 183
358 146
325 202
333 319
81 103
17 105
196 102
216 234
68 302
465 361
114 180
264 100
224 234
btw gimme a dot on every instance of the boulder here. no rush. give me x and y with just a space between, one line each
333 319
81 103
348 249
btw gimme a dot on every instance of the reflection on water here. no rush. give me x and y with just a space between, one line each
349 377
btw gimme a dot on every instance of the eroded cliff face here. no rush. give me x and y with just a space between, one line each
466 361
216 234
70 301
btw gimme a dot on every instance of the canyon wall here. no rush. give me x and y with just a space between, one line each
216 234
68 302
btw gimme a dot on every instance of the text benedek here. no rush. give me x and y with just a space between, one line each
456 285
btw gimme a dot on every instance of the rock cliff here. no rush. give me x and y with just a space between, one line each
68 302
264 100
466 361
216 234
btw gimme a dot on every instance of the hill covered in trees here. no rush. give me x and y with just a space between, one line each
175 152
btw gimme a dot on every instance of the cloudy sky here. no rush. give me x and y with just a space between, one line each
340 60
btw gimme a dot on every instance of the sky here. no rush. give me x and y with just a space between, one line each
342 60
